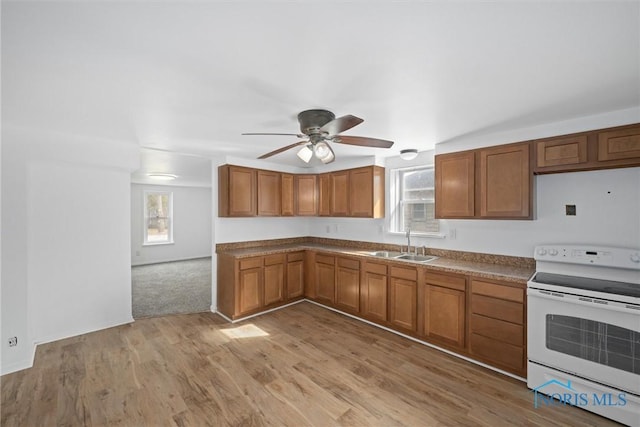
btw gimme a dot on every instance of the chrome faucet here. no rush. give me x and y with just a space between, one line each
408 240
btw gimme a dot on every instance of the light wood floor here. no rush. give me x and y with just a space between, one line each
315 367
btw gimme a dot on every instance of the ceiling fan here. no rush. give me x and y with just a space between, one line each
319 127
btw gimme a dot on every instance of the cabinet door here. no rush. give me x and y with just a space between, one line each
455 185
402 303
444 314
273 279
325 280
236 191
374 292
250 290
505 181
295 275
361 192
348 285
324 195
287 207
561 151
621 144
340 193
268 193
306 195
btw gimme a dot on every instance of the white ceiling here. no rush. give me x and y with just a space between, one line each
192 76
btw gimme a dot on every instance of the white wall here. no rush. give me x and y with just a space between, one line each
192 221
66 245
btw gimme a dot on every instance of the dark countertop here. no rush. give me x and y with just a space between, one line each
483 269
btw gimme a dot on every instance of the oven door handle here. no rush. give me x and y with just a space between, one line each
584 301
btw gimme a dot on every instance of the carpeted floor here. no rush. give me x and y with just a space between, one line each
171 288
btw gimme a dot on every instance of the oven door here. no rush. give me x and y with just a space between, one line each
592 339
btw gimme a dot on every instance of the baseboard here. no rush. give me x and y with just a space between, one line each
280 307
21 364
86 330
452 353
191 258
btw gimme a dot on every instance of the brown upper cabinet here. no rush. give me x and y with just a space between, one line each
339 188
287 205
366 192
506 182
236 191
455 185
597 149
489 183
355 192
324 194
269 193
306 191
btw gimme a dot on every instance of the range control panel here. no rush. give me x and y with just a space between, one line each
596 255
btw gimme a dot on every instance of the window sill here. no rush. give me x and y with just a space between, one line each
416 234
157 243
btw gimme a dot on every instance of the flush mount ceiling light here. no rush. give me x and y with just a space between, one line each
162 176
408 154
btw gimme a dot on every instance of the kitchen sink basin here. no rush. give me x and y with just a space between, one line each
416 258
385 254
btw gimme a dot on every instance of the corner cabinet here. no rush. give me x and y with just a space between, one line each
306 195
489 183
248 286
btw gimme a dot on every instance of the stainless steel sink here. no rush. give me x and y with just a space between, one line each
385 254
416 258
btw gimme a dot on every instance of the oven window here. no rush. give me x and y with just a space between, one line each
594 341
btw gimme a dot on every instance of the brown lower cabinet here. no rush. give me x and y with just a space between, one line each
479 318
373 292
348 284
444 308
250 285
403 298
295 275
497 325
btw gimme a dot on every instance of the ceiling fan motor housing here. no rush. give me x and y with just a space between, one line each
312 120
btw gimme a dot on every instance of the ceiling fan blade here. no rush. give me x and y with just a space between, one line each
279 134
363 141
341 124
280 150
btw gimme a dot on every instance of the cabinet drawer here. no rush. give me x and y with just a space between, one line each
497 329
446 281
250 263
497 309
349 263
274 259
325 259
508 355
404 273
497 291
372 267
296 256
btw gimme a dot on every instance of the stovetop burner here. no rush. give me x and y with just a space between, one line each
597 285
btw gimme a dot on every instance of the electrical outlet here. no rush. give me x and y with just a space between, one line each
13 341
137 253
453 233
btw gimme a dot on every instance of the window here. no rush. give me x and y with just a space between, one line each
158 213
413 196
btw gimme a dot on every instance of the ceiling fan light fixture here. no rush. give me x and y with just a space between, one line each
408 154
321 150
161 176
305 154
